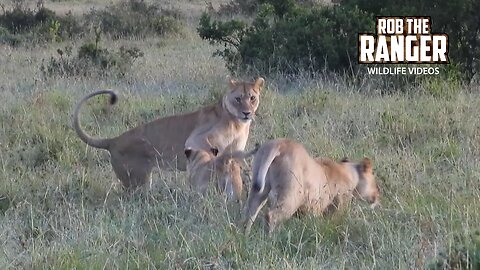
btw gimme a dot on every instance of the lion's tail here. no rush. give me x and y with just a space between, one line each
245 154
94 142
238 155
261 164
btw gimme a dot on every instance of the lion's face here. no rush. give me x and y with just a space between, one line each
243 99
367 187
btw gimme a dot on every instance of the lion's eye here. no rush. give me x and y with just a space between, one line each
253 98
238 99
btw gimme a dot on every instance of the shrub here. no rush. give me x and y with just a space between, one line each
18 20
230 34
7 38
70 26
91 60
289 38
128 18
135 18
24 25
247 7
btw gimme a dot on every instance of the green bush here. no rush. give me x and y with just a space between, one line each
288 38
19 20
125 19
24 25
7 38
70 26
91 60
247 7
135 18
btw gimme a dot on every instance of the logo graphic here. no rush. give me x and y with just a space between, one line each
403 40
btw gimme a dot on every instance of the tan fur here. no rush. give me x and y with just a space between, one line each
292 181
204 166
162 142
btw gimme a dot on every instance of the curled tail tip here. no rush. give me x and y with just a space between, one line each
257 187
257 146
98 143
113 98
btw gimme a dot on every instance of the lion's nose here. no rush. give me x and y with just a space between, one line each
246 113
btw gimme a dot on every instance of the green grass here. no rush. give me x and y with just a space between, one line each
61 208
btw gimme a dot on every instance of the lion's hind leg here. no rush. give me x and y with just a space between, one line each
133 164
285 206
255 203
133 174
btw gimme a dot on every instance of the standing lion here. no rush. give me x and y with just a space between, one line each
162 142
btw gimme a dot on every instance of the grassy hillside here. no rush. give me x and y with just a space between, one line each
61 207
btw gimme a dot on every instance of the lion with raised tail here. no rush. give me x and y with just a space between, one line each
292 181
162 142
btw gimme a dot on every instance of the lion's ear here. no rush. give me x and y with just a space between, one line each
259 83
188 153
232 83
366 165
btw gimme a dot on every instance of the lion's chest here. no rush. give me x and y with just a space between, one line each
234 139
219 135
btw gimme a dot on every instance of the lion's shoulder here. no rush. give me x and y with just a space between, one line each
334 171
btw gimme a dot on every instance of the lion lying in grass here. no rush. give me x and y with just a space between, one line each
284 173
161 143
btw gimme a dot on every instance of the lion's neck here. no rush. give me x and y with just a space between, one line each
354 175
349 182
